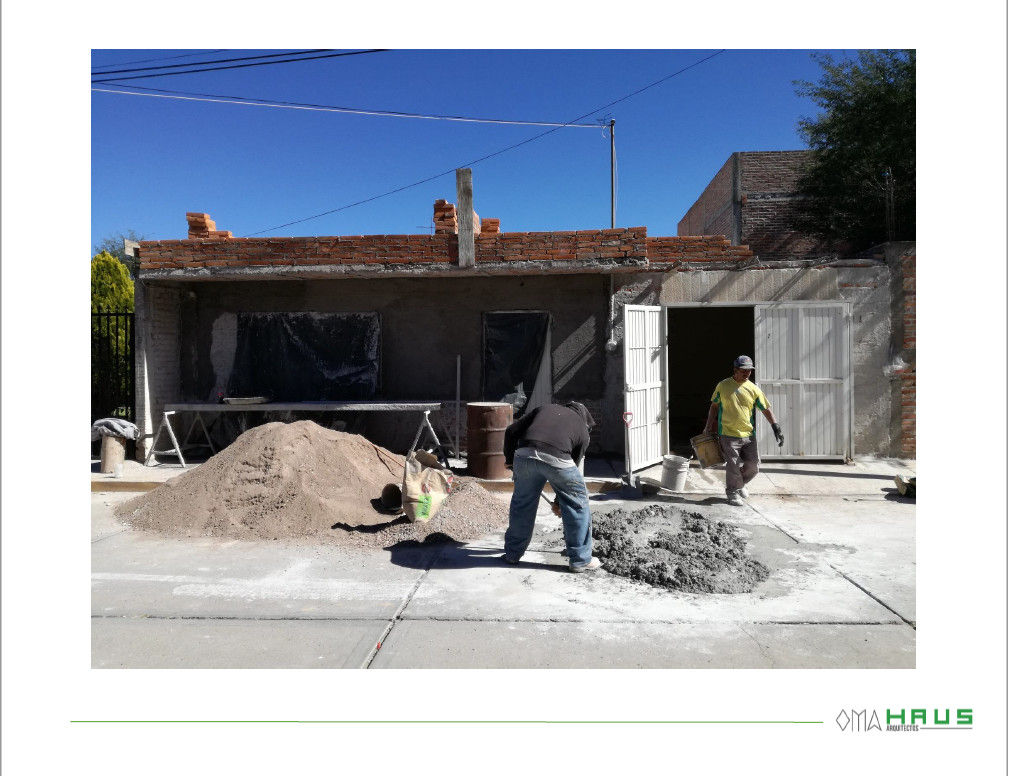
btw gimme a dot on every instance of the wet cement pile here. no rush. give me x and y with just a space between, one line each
680 550
300 480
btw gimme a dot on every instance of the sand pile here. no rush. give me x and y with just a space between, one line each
680 550
301 480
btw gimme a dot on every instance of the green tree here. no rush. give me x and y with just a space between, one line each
111 286
111 292
113 245
860 187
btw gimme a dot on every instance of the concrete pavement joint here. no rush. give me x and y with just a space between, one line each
772 523
399 612
873 597
215 618
618 621
601 621
107 537
760 648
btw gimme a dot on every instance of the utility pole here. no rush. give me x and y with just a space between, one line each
613 177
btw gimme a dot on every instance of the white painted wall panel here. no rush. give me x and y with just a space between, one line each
644 384
803 368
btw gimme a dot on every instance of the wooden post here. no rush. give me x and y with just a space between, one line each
464 213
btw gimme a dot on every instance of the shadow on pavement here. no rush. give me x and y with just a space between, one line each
439 551
895 496
400 520
826 473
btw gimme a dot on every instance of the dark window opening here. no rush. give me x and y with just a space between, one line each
516 359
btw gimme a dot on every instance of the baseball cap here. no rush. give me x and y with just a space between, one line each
743 363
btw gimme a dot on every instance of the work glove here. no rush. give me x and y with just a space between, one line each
556 508
777 434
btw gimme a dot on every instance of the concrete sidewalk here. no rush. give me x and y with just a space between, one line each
838 539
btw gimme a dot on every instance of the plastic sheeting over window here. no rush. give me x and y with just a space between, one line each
306 357
516 366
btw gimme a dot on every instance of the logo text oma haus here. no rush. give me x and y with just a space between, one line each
905 719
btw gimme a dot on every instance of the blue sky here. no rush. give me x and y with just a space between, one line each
254 168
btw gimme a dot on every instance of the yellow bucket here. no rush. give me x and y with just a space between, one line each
707 450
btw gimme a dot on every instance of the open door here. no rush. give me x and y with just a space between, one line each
644 385
802 354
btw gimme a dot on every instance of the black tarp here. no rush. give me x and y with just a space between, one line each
305 357
513 349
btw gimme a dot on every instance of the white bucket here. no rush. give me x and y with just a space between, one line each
674 472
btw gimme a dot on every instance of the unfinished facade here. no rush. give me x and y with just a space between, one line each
536 316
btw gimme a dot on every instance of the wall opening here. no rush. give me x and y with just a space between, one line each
701 344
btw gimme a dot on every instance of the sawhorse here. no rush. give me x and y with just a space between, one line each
166 424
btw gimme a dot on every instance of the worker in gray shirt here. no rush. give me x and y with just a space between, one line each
546 445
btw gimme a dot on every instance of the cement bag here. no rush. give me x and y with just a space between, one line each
425 486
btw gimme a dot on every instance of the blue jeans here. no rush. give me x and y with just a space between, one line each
530 476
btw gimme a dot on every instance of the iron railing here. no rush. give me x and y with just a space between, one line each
112 355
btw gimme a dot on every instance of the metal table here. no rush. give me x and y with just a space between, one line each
215 409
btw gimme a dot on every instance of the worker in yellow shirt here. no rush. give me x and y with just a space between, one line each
733 416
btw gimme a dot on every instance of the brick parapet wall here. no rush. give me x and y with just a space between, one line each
405 248
611 243
491 248
377 249
696 250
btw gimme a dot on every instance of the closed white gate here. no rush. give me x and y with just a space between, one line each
803 367
645 384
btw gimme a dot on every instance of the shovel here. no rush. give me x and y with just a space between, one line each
553 504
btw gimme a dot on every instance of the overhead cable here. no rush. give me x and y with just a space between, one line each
158 59
265 102
211 62
491 155
243 65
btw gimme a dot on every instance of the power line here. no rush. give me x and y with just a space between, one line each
157 59
212 62
244 65
491 155
278 104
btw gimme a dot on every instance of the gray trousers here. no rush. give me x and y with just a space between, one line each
741 461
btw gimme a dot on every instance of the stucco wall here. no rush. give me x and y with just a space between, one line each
425 325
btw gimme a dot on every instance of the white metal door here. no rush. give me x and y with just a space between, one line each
803 367
644 385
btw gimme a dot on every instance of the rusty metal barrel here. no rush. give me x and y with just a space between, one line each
486 423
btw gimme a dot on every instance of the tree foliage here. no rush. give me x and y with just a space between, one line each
111 286
113 245
111 292
860 188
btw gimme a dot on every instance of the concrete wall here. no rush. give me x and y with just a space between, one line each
425 324
158 371
866 284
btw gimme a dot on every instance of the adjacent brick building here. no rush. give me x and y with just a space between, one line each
751 200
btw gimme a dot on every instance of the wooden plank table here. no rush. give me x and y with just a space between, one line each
212 410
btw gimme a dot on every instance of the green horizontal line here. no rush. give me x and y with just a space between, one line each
465 721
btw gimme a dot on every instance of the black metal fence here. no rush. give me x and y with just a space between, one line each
112 345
